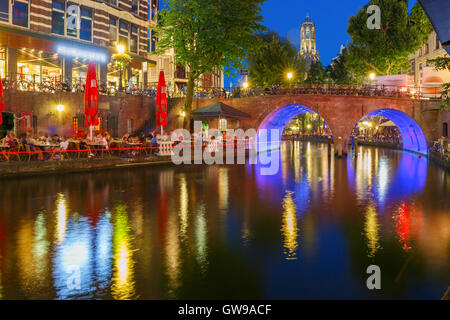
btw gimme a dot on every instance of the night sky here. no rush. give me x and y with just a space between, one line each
330 17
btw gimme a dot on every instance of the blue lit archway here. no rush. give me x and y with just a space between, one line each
412 135
271 129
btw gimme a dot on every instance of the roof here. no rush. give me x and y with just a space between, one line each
220 109
438 11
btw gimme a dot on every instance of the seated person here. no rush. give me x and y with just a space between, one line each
64 144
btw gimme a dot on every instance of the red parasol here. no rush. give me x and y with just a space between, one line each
91 98
161 102
2 101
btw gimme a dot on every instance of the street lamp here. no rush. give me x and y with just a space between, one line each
245 85
60 107
120 48
289 76
372 76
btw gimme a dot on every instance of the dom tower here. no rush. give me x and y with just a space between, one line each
308 42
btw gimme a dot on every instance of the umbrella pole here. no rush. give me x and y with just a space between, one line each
90 127
162 131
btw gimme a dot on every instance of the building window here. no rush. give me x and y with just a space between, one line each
130 125
75 124
4 10
86 24
134 6
153 44
72 20
223 125
113 31
58 17
20 13
123 34
99 127
413 66
113 2
437 42
445 129
427 48
134 39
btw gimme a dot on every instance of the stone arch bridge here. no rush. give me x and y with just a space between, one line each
417 120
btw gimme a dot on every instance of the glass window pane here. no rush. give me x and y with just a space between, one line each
4 10
86 29
123 28
58 17
133 43
20 13
134 6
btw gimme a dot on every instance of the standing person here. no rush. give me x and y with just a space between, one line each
154 143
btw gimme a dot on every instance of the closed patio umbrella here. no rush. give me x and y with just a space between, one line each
91 98
161 102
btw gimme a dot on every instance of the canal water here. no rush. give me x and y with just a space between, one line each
206 232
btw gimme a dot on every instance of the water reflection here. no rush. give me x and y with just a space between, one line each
202 232
201 238
73 270
289 227
403 226
371 230
371 174
173 263
123 282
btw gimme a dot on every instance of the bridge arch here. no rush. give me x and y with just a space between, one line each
413 137
271 128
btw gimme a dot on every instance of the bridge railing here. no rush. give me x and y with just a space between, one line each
52 84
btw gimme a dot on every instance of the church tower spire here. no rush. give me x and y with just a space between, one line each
308 48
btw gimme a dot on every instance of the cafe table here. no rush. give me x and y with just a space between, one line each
3 149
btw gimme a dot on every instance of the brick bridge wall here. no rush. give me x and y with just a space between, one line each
340 112
43 106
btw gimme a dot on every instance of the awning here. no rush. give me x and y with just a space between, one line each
220 109
438 11
387 124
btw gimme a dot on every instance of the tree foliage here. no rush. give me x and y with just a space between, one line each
273 60
338 71
317 73
208 34
386 50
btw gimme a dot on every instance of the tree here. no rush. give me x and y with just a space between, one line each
386 50
338 71
443 63
122 60
208 34
316 73
274 58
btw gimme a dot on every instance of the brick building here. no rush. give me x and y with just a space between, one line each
53 40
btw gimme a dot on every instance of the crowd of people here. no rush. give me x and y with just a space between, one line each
52 147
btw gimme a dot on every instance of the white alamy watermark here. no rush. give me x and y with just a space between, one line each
374 20
374 280
230 147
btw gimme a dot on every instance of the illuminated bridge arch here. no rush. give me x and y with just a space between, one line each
412 135
275 123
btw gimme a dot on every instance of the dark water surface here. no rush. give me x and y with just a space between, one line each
227 232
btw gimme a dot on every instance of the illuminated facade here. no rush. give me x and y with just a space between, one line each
308 49
53 40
